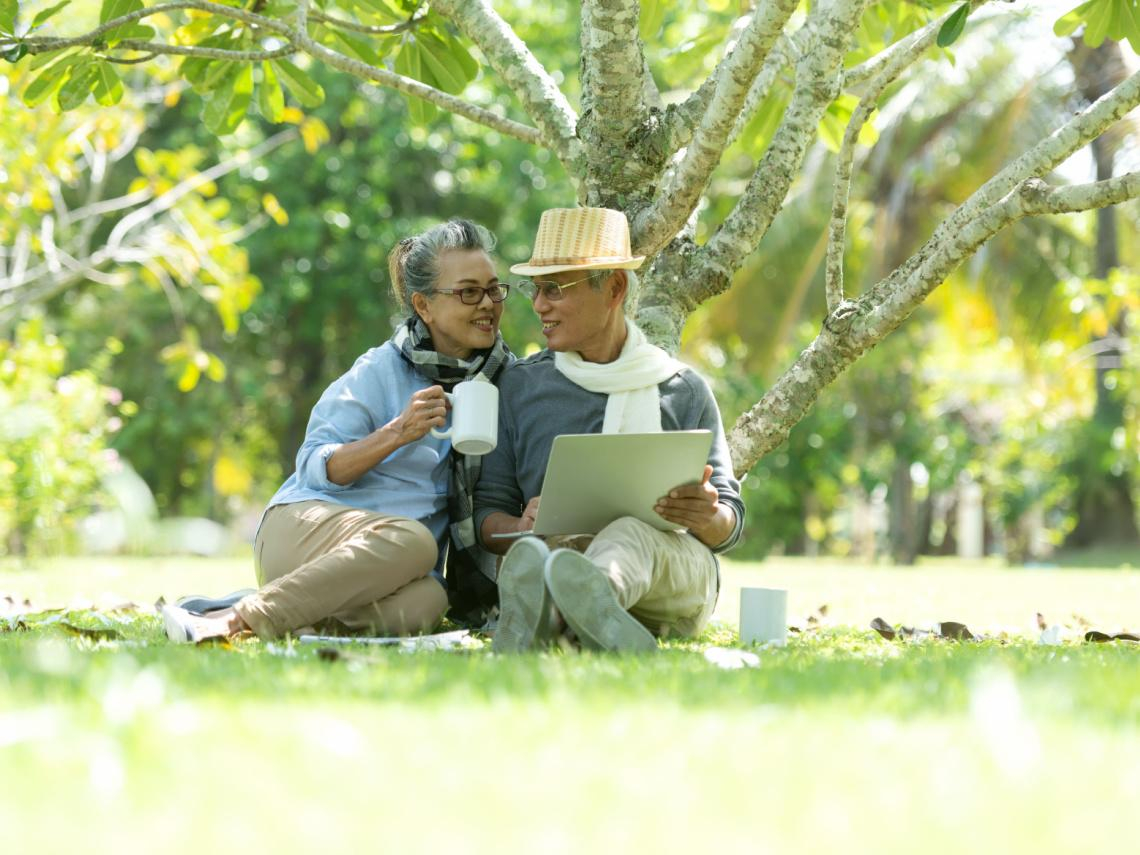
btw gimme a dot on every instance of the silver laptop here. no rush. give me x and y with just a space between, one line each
593 479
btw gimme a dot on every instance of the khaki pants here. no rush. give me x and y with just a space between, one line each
665 579
320 562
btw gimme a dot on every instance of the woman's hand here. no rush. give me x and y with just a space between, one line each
426 409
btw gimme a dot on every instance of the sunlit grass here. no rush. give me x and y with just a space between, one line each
840 741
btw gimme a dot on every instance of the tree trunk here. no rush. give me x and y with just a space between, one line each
1105 512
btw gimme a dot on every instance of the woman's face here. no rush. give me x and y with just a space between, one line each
456 328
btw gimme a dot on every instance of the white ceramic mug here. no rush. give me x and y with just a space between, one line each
474 417
763 615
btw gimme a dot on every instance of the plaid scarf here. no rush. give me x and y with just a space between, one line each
414 341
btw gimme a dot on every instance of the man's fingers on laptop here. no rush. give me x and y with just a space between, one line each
530 513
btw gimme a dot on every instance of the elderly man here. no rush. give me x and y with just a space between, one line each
598 374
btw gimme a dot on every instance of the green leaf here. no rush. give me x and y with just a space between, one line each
382 10
410 64
47 13
8 10
461 55
652 17
15 53
302 87
112 9
954 26
43 60
78 85
270 98
1067 24
371 52
52 77
203 73
229 102
108 88
1130 23
1098 19
447 72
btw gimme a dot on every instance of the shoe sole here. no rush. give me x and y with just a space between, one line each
201 605
524 602
587 602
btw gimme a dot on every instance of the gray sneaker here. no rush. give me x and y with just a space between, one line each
199 605
588 604
526 612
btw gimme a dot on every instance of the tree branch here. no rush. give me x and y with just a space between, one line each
54 44
613 65
768 423
156 48
654 226
681 120
780 55
886 68
513 61
413 87
357 27
298 40
1050 152
817 77
167 200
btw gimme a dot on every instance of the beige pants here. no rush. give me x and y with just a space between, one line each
665 579
324 563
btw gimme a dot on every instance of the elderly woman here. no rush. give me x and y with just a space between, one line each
354 539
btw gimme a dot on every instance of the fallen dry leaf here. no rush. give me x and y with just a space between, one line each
1101 637
883 628
956 631
100 634
1042 624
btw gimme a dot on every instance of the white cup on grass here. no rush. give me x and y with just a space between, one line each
763 615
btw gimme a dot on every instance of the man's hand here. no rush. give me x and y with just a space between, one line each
502 523
529 515
693 506
697 507
426 409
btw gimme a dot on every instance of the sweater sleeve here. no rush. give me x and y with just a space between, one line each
498 489
350 409
723 479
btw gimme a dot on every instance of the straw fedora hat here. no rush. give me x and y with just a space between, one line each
580 239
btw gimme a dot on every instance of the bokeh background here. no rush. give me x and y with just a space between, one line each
172 303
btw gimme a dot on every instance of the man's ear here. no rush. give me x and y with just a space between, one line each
618 285
421 306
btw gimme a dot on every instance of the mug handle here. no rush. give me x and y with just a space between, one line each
444 434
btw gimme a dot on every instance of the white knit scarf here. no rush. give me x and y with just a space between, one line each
634 405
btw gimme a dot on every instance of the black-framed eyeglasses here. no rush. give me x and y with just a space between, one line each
473 295
548 288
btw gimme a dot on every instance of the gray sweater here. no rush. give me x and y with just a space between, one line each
537 402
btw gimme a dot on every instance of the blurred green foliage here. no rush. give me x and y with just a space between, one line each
982 381
54 430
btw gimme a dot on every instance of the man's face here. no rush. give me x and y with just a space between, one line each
581 319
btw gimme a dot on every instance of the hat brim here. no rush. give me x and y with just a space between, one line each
528 269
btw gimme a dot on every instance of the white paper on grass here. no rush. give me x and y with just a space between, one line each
438 641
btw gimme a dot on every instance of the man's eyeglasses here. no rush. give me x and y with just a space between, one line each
473 295
549 289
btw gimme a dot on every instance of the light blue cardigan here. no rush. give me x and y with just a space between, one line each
411 482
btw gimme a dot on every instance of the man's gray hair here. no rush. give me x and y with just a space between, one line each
413 263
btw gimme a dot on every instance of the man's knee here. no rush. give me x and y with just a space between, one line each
626 529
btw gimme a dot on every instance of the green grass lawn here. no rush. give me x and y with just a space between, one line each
840 741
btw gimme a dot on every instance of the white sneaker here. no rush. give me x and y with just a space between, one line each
586 599
526 611
179 624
